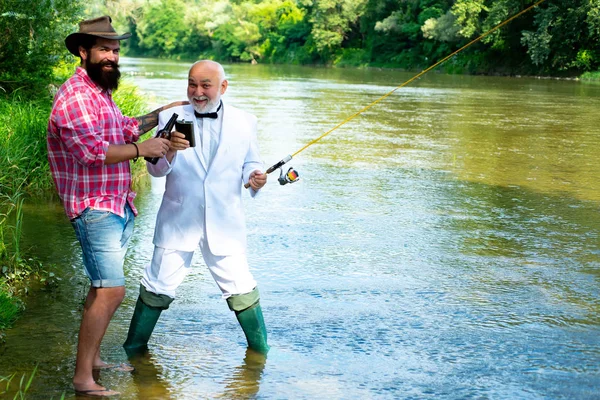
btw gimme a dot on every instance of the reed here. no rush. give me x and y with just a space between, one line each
24 385
20 393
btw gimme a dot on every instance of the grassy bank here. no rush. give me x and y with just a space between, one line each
590 77
25 174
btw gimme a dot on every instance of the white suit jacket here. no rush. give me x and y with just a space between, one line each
198 196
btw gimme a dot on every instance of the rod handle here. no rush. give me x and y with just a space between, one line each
274 167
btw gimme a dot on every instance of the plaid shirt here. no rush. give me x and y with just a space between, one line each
83 122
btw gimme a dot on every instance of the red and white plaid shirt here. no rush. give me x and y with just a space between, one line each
83 122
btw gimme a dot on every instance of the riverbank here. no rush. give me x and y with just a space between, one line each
590 77
446 68
26 175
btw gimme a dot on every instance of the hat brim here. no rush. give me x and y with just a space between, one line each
72 41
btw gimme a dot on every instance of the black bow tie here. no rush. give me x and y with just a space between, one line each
213 115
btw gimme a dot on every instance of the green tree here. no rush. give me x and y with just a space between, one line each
332 21
32 42
395 31
557 37
162 30
567 36
283 30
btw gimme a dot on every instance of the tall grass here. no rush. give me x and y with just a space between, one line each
24 384
132 103
9 308
23 162
24 173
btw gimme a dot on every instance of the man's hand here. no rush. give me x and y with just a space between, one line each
257 179
154 147
176 143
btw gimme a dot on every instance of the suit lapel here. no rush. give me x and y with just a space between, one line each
226 125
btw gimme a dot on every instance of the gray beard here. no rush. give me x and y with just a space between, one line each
211 106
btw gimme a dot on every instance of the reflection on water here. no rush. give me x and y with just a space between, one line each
245 380
445 244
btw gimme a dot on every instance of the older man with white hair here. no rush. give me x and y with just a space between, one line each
202 206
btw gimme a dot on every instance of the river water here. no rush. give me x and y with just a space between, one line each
443 244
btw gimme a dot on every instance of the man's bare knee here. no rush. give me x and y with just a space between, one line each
112 295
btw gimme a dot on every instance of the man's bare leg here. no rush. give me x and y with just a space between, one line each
100 306
88 302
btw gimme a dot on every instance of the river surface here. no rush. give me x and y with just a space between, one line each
443 244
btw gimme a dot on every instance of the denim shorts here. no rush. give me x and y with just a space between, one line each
104 237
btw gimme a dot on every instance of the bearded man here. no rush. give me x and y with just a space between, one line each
202 207
90 144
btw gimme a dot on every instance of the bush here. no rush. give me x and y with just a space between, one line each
591 77
32 43
352 58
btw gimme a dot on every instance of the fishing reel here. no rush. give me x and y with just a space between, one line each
290 176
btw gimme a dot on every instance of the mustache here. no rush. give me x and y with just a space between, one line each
108 62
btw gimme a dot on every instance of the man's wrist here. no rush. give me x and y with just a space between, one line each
137 152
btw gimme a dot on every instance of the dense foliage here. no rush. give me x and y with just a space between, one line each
32 42
558 37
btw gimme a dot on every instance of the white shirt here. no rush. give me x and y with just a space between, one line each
210 135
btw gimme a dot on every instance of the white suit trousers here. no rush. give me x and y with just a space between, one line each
168 269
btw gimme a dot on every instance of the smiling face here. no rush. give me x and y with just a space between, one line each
101 62
206 84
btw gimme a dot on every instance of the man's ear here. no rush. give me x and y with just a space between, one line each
224 86
83 53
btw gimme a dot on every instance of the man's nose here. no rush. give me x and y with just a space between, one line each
112 55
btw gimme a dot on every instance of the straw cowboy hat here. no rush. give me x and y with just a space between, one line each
99 27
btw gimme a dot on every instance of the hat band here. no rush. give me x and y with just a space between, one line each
101 33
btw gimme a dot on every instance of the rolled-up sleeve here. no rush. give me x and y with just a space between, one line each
131 129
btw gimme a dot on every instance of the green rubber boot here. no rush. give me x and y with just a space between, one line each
249 315
252 323
148 308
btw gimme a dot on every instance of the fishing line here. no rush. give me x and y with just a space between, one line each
292 176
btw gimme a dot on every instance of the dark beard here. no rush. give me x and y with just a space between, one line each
107 80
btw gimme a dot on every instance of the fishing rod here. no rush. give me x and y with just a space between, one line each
292 176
